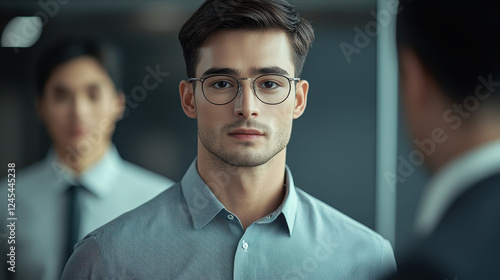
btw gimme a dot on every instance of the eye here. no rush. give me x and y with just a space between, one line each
221 84
61 94
93 93
269 85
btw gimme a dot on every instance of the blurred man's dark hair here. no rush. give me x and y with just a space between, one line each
106 54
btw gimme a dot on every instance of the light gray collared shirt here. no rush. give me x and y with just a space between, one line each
113 187
186 233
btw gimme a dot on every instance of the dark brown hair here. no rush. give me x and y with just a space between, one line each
215 15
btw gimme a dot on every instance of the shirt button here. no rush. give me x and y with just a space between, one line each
230 217
245 245
270 216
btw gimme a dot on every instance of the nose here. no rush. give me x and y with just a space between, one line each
246 103
79 108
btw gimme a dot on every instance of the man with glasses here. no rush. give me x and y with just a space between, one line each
237 214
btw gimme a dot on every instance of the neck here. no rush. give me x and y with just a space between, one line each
79 161
249 192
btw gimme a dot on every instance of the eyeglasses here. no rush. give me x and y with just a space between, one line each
271 89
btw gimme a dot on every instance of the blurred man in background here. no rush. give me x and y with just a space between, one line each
237 214
450 81
82 183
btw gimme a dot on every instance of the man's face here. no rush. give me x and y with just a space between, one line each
80 106
246 132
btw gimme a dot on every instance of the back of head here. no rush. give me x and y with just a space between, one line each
67 49
457 42
216 15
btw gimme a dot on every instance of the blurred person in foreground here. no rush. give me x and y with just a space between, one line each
82 183
237 214
450 81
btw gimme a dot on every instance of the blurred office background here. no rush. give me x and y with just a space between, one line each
333 151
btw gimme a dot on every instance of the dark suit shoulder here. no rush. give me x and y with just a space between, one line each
465 244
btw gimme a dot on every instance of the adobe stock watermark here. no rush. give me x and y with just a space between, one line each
29 29
139 93
324 248
363 37
453 116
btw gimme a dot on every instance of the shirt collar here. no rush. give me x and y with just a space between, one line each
454 179
201 202
61 176
97 179
204 205
290 203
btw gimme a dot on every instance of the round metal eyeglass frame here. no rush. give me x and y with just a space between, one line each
202 80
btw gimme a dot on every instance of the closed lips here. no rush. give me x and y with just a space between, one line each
245 131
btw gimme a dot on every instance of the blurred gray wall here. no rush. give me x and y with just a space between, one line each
332 152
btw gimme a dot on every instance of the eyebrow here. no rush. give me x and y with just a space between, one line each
253 71
60 88
223 71
268 70
92 86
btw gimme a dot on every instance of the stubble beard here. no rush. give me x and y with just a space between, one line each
244 157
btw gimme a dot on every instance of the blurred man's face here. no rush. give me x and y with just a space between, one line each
80 106
246 132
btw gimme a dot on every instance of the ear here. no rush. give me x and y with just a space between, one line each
422 98
415 81
119 105
187 98
302 88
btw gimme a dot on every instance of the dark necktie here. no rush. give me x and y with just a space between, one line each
73 218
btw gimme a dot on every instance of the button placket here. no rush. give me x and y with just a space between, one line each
244 245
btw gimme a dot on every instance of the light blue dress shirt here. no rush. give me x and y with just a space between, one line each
186 233
114 186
